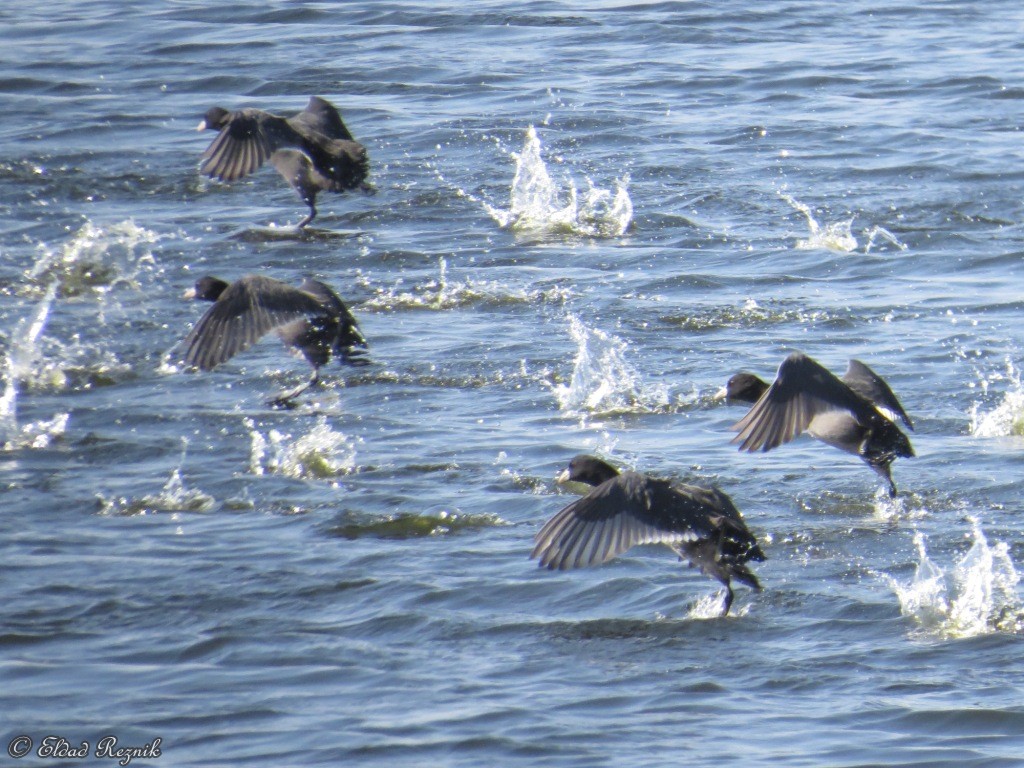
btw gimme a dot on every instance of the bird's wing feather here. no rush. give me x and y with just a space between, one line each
247 310
321 116
868 384
621 513
802 389
245 143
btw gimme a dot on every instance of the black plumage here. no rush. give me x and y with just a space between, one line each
312 150
310 318
699 524
856 414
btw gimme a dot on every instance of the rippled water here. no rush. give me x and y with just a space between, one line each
586 218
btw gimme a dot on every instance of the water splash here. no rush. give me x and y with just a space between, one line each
95 259
603 381
20 369
976 596
710 607
880 233
541 205
442 293
834 237
838 236
36 434
1007 418
890 510
21 358
38 363
174 496
322 453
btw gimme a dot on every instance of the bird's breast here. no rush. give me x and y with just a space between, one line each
839 429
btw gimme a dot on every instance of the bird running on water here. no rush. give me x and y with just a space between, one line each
312 150
856 414
701 525
310 318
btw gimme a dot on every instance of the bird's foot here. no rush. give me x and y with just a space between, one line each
287 399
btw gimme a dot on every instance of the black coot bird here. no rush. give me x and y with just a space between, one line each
856 414
312 150
701 525
311 318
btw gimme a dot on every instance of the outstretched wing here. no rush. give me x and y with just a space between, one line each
868 384
350 335
247 310
620 513
245 143
321 116
802 390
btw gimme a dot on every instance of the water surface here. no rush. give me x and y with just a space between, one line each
586 219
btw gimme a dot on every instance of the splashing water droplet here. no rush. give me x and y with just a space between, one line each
541 205
837 236
603 381
321 453
977 595
1007 418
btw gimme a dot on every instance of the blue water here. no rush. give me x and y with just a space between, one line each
587 217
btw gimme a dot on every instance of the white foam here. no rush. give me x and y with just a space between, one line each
320 453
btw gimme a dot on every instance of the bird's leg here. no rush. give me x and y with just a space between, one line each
886 473
727 603
309 217
284 400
